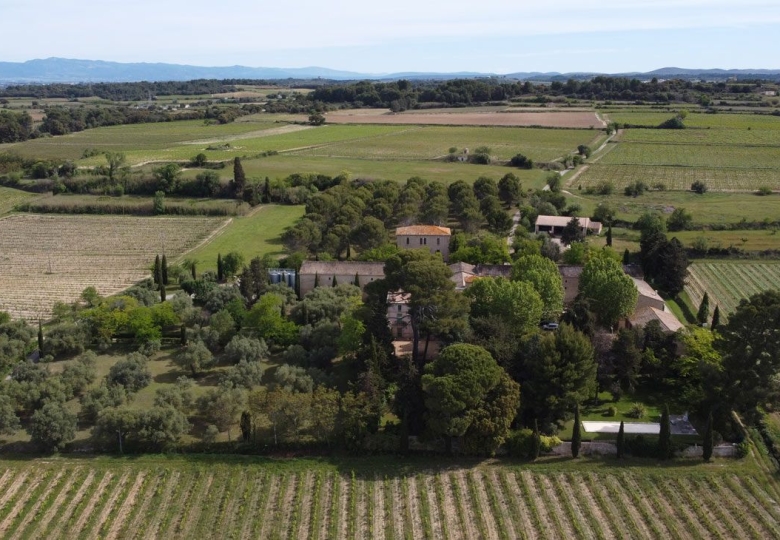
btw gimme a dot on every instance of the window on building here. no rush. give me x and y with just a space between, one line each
407 241
421 241
425 241
438 241
399 307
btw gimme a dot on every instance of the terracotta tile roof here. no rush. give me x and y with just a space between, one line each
398 297
423 230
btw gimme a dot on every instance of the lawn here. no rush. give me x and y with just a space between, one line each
253 235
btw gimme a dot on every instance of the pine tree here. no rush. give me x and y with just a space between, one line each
609 236
621 441
704 309
576 438
162 292
239 178
220 269
164 268
334 283
665 436
708 440
40 337
316 280
626 257
536 443
715 318
357 280
156 272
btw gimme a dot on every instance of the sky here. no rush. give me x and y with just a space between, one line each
488 36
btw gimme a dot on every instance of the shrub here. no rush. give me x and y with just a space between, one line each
132 373
611 411
763 191
637 410
743 449
699 187
519 444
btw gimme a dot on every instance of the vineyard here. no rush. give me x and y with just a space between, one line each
728 282
46 259
680 178
694 155
176 499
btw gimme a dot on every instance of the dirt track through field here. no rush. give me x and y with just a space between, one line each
290 128
126 507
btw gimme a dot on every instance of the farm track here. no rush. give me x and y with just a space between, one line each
45 501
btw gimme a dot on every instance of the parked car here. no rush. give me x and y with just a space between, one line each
550 326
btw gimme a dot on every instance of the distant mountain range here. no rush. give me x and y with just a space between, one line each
63 70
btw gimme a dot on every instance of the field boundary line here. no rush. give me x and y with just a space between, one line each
219 230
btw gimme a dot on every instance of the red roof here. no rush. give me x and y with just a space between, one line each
423 230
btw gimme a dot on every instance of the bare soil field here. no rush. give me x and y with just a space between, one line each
556 119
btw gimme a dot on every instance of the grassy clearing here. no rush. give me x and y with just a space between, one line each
11 197
225 496
729 282
253 235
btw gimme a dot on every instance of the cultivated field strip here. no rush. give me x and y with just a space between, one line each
729 282
46 259
678 178
45 501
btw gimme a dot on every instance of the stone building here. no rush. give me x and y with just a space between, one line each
431 237
344 272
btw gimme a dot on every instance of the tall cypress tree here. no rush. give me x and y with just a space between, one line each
609 235
665 436
266 191
715 318
220 268
239 178
357 280
162 292
298 284
704 309
316 280
709 441
183 335
576 438
194 270
164 267
156 272
334 283
626 257
621 441
536 442
40 337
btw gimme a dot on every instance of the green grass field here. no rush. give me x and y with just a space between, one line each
728 282
134 138
717 137
253 235
11 197
283 165
649 117
246 497
691 155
